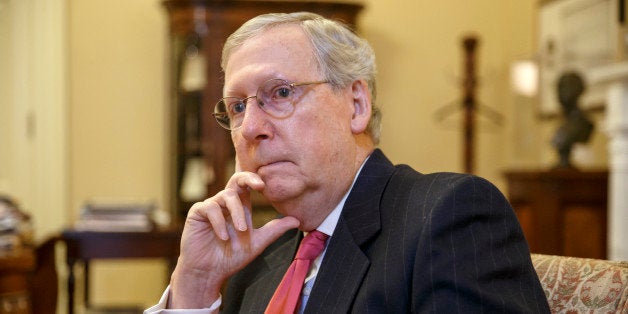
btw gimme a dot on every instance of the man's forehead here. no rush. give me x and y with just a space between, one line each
280 30
279 37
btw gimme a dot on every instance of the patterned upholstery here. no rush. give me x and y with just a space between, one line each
581 285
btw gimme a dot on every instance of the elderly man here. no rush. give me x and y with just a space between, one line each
299 92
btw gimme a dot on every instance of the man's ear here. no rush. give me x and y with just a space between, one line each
361 106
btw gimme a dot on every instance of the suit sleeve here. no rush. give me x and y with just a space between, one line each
472 255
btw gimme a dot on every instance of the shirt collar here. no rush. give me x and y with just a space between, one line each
329 224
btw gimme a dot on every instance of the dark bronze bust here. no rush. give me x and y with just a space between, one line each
576 127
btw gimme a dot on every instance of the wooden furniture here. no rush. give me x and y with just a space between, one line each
45 280
84 246
199 28
562 212
16 268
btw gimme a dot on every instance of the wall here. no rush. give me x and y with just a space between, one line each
33 124
421 70
117 100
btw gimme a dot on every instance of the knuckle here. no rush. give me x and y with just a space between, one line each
230 192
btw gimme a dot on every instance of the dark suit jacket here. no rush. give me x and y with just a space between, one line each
408 242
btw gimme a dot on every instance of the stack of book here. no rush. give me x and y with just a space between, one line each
116 216
9 237
15 226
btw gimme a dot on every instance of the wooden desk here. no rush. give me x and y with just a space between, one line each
83 246
561 212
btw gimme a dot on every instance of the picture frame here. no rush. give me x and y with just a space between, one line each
576 35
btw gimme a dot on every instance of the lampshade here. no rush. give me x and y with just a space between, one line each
524 77
193 76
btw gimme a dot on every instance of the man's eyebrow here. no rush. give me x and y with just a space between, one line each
232 92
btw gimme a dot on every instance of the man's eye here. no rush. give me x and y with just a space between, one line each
238 107
282 92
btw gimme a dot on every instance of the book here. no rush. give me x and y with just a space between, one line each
116 216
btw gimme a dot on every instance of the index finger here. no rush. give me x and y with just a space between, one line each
244 180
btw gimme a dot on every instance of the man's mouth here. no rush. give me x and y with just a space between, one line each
271 165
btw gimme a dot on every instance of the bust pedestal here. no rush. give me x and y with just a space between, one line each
616 77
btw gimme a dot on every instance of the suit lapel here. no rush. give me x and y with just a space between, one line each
276 262
345 264
340 275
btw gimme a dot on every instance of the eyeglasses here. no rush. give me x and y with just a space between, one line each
275 96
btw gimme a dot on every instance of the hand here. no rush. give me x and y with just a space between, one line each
218 240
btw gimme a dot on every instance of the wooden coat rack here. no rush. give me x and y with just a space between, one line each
469 104
469 44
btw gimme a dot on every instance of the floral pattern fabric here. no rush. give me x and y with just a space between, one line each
582 285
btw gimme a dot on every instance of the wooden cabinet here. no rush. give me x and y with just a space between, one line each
561 212
198 29
16 268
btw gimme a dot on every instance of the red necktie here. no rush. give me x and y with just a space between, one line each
286 297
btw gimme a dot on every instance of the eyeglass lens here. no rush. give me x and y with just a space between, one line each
273 96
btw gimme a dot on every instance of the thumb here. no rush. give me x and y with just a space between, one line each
272 230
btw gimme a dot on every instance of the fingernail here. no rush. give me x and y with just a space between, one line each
241 227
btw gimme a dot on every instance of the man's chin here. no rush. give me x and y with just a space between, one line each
279 191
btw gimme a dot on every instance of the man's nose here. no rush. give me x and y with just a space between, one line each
256 123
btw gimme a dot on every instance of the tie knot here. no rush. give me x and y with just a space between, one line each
312 245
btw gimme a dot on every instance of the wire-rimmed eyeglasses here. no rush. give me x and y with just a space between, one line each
275 97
